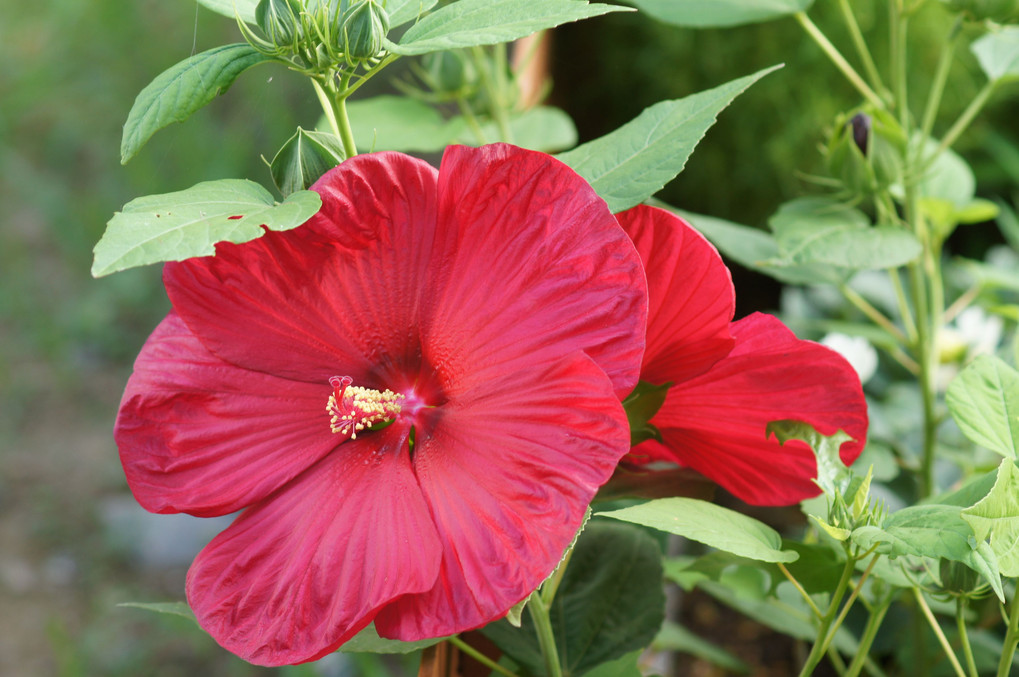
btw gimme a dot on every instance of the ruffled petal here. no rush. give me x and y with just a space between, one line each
335 295
690 296
202 436
299 574
540 267
716 423
508 470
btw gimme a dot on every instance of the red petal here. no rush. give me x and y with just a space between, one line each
201 436
334 296
690 296
540 266
300 573
716 422
508 471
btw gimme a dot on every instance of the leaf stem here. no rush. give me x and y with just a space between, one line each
820 646
960 624
1011 639
327 106
840 62
546 638
874 621
803 593
861 47
479 657
875 315
933 622
974 107
938 86
471 120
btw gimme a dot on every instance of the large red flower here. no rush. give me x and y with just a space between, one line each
730 379
492 312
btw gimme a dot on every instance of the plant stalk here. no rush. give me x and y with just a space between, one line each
546 638
840 62
1011 639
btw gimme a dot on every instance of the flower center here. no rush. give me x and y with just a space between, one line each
353 408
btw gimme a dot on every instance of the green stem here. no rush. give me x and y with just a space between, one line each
327 106
861 46
546 638
852 597
877 616
1011 639
820 646
346 134
960 624
938 86
974 108
836 57
898 28
803 593
933 622
551 585
471 120
491 87
872 313
479 657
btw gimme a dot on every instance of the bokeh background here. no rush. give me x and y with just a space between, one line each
73 544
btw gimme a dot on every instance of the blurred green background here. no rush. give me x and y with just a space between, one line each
72 543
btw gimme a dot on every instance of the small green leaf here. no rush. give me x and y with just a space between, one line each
710 524
173 608
232 8
634 162
996 517
469 23
948 178
717 13
610 603
177 93
304 158
402 11
984 400
178 226
832 474
922 531
368 641
624 666
998 53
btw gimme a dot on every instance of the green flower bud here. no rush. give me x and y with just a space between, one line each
365 24
1001 11
280 20
449 72
866 151
958 579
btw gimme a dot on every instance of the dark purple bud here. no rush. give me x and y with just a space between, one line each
861 131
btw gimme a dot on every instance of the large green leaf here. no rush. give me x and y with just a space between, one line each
710 524
402 11
610 602
921 531
998 53
984 401
634 162
177 93
713 13
171 608
487 22
177 226
996 517
231 8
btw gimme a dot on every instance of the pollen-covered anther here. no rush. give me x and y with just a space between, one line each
353 408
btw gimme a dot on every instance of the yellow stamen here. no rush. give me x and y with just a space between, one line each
353 408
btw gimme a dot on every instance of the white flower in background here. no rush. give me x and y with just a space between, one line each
857 350
973 332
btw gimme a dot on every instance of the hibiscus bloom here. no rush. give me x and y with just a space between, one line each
730 379
414 396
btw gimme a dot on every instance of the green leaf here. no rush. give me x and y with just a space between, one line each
624 666
998 53
948 178
922 531
542 128
996 517
674 637
232 8
716 13
634 162
641 405
610 602
172 608
832 474
468 23
303 159
710 524
822 231
368 641
178 226
402 11
984 401
180 91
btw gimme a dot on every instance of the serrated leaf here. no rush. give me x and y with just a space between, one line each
231 8
717 13
368 641
632 163
921 531
710 524
832 474
469 23
177 93
998 53
996 517
610 602
187 223
172 608
984 401
402 11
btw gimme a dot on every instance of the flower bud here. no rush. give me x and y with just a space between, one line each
866 151
449 72
280 20
365 24
1001 11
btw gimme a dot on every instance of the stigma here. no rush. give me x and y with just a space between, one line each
352 408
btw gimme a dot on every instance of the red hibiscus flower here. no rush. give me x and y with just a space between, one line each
414 397
730 379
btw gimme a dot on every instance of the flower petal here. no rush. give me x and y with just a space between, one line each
540 267
508 470
201 436
690 296
299 574
333 296
716 423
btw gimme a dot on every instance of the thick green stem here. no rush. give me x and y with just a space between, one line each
861 47
1011 639
346 134
836 57
327 106
877 616
480 657
820 647
936 627
546 638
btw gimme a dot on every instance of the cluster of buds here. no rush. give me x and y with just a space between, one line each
320 36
